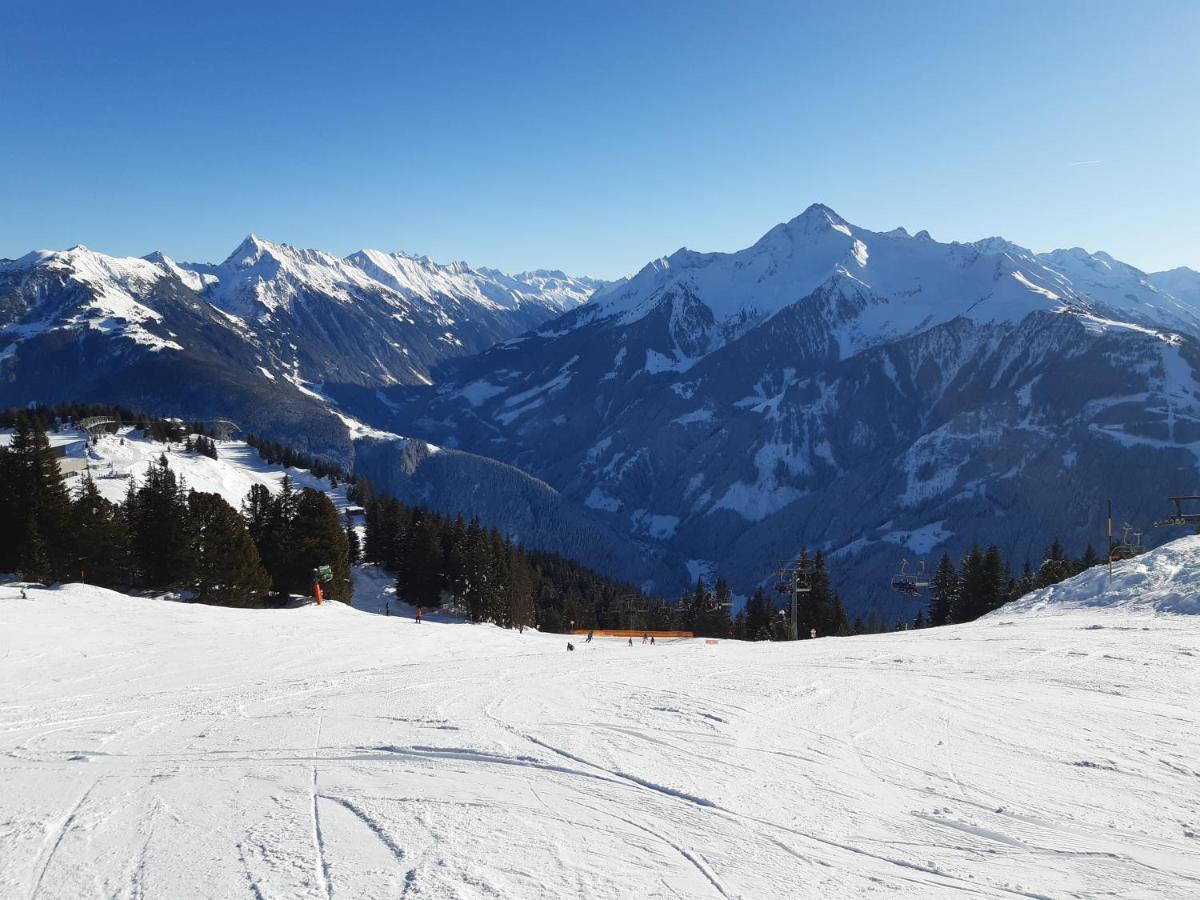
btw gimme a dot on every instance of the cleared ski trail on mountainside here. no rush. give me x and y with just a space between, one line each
158 749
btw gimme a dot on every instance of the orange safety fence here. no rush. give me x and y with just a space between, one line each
634 633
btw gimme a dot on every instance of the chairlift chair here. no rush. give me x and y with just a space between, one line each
910 583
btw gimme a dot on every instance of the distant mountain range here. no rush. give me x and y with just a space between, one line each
875 394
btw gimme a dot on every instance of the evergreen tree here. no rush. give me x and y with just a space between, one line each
758 616
353 545
157 514
101 538
319 540
1055 567
227 569
943 598
278 547
477 578
996 580
257 511
35 506
972 598
1090 558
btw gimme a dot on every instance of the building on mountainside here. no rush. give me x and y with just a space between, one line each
71 456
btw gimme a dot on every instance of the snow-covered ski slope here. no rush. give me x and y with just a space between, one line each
115 458
158 749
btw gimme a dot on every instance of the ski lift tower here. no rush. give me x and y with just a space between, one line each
795 578
628 606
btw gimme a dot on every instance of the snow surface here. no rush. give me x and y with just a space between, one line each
117 457
152 748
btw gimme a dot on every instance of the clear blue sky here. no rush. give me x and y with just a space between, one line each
593 136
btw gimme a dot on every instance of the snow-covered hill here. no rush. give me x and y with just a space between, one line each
1165 580
150 748
116 458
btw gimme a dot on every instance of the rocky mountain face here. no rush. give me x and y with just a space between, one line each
257 336
876 395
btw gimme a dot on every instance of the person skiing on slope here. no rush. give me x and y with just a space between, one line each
651 640
418 615
589 638
631 642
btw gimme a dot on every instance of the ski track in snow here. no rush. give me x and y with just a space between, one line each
160 749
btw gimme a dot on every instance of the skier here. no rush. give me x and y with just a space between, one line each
589 638
418 615
387 607
651 640
645 636
631 642
570 646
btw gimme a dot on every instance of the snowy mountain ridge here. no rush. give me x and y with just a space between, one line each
866 393
908 282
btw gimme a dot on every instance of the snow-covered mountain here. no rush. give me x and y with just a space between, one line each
178 750
369 319
877 395
257 335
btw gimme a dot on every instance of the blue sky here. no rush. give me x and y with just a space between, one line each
594 136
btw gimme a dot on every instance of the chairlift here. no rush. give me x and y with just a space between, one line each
1127 549
1182 519
911 583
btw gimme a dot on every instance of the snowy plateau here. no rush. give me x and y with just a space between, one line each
155 748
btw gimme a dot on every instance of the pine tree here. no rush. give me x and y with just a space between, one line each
1055 567
353 545
477 581
758 616
973 594
100 537
943 598
319 540
227 569
158 518
33 558
996 580
37 503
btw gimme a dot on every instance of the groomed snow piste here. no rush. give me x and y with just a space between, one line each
158 749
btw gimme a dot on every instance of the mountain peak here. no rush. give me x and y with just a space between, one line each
819 217
250 251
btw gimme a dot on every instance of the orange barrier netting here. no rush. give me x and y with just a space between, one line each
628 633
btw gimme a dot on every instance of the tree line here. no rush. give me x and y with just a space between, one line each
983 582
163 536
440 560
